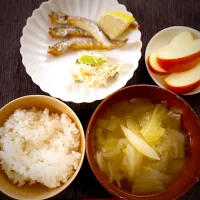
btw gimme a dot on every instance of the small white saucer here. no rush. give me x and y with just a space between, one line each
163 38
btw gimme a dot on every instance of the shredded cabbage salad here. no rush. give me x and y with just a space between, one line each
95 69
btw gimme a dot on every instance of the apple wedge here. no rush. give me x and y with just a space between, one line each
183 82
182 53
154 66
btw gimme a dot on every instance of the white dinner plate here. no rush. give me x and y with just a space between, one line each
54 74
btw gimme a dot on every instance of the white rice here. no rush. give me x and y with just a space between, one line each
36 146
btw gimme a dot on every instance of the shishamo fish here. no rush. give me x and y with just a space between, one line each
87 25
77 43
61 32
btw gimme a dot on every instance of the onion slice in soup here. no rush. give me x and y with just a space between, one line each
140 144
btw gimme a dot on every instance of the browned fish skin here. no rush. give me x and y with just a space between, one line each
78 43
69 31
61 18
85 24
58 18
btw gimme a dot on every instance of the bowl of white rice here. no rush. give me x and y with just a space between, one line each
42 147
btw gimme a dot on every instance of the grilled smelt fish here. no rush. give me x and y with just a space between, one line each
77 43
85 24
69 31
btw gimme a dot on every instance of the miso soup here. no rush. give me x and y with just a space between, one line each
140 146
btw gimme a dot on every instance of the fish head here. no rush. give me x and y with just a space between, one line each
58 18
55 51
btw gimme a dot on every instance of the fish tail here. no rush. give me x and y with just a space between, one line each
125 40
118 43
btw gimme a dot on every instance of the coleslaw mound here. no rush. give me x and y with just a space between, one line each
95 69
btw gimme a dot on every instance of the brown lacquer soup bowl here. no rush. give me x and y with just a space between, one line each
190 173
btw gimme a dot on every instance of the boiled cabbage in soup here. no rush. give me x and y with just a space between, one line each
140 146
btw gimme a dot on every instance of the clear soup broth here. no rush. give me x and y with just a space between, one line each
140 146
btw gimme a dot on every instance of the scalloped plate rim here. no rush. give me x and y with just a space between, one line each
88 100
